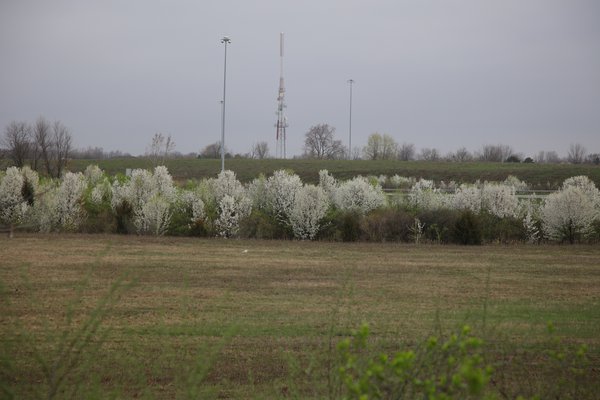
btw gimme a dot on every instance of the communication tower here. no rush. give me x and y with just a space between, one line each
281 118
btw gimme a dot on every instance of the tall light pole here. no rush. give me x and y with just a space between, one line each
350 81
226 41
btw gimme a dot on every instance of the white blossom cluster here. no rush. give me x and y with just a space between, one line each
516 183
191 200
59 205
570 213
425 196
231 201
69 201
14 206
310 206
150 197
357 194
496 198
499 200
280 192
149 200
301 207
93 174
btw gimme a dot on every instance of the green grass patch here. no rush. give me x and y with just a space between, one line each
539 176
201 317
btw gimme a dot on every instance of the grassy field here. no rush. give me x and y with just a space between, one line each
184 318
540 176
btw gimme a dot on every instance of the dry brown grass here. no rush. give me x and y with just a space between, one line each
264 301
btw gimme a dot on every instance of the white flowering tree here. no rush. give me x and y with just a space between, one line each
467 197
499 200
256 192
93 175
425 196
569 214
280 194
69 201
148 197
516 183
359 195
230 200
163 184
588 188
329 184
134 192
154 216
17 191
310 206
99 190
398 181
191 202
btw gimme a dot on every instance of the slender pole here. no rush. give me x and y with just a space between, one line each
226 41
350 81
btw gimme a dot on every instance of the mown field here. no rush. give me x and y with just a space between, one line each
141 317
539 176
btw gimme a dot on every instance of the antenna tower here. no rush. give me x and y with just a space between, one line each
281 118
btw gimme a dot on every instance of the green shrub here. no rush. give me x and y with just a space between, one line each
123 219
341 225
448 369
182 225
594 236
100 216
467 229
439 224
260 225
387 224
503 230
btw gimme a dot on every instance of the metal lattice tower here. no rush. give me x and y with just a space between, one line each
282 124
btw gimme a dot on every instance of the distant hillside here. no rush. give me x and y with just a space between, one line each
539 176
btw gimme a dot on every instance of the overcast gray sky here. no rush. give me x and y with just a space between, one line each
442 74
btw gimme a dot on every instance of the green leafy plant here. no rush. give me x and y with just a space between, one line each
439 369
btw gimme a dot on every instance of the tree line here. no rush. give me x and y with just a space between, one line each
320 143
281 206
46 145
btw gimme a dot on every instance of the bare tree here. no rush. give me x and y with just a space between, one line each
17 139
213 150
160 148
154 150
491 153
380 147
593 158
389 149
319 143
428 154
550 157
89 153
43 142
540 158
461 155
169 147
62 142
495 153
576 153
372 151
406 152
260 150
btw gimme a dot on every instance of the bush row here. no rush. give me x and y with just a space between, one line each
282 207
